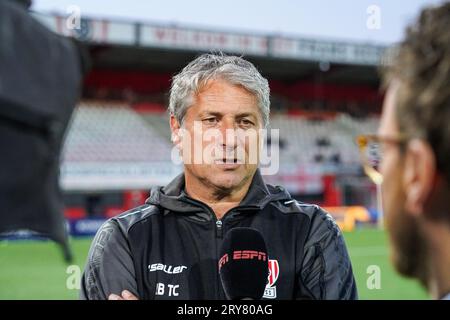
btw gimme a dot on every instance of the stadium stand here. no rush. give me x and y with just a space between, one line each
321 140
106 133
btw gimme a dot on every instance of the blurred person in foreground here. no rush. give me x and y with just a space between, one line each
41 76
414 144
168 248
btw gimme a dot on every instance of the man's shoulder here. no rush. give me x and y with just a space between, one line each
114 232
283 201
126 220
292 206
320 221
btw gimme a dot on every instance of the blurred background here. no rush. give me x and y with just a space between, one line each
321 59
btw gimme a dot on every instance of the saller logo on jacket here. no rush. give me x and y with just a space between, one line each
169 248
166 268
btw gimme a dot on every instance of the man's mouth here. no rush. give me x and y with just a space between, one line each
228 161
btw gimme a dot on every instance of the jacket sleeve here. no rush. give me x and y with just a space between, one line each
326 271
109 268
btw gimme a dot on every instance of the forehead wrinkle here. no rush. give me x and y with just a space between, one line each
213 98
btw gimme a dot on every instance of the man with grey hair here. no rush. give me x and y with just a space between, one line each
168 248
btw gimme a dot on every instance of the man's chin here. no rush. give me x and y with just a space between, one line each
408 251
228 178
227 181
403 264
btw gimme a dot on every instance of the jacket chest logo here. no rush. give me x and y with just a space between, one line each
166 268
274 270
170 286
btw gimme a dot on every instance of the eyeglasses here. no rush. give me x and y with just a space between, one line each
371 151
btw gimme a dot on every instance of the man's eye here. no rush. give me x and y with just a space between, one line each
246 122
210 120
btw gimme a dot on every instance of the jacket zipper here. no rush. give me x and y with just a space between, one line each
218 237
219 229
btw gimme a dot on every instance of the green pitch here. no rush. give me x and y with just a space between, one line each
369 253
35 269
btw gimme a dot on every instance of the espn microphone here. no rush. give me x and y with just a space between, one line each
243 264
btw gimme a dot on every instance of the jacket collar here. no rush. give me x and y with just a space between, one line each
173 197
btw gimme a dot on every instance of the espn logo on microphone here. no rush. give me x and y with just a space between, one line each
243 255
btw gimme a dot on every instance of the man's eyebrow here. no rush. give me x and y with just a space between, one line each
246 114
210 113
220 114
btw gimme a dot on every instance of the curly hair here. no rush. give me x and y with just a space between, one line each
422 65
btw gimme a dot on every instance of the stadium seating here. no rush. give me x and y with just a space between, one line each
333 140
113 133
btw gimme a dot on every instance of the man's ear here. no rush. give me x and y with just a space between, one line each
175 131
419 175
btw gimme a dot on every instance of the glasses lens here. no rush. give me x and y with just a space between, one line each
372 154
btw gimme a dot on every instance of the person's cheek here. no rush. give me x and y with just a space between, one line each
187 150
253 148
246 146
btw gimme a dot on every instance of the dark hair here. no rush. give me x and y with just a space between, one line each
421 64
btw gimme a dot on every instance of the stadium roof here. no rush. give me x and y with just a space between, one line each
165 48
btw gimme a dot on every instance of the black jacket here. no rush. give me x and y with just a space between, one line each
168 248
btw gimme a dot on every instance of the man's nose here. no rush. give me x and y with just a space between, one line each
229 134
